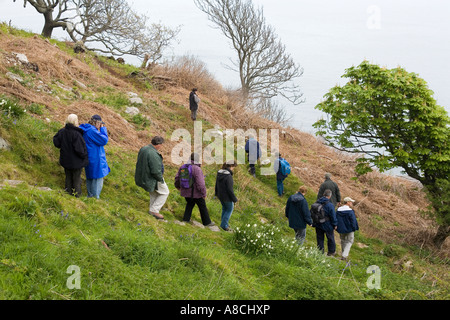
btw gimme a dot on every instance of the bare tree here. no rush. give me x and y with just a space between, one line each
106 26
112 27
153 43
48 8
265 69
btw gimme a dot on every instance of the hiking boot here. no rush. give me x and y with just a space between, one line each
157 215
331 254
228 229
212 224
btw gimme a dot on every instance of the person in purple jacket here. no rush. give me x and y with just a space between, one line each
195 194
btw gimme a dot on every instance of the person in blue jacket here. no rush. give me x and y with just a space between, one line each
280 176
96 137
327 228
253 150
346 226
297 211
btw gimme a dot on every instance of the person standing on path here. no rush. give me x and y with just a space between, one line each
328 226
96 137
330 185
149 175
297 212
280 176
346 226
191 183
225 193
253 150
73 154
194 100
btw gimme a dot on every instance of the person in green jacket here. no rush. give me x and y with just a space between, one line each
149 175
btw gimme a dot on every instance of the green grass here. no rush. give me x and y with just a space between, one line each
123 253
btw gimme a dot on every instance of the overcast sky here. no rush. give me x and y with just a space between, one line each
324 36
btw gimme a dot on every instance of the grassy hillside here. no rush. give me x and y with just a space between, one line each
123 253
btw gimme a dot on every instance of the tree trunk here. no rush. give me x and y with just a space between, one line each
441 235
48 26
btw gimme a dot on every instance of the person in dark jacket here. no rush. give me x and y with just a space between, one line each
73 154
96 137
327 228
330 185
196 194
297 211
253 150
224 192
346 226
149 175
194 100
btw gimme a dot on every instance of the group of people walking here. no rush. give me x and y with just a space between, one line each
327 215
189 180
83 147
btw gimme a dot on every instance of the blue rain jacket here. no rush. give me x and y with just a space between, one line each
95 142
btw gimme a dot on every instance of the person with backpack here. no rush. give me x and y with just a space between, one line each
253 150
73 154
191 183
297 212
225 193
282 168
346 226
331 185
96 137
324 220
149 175
194 100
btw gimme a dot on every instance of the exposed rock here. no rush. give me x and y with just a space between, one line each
136 100
14 76
4 145
214 228
21 57
15 183
197 224
133 111
80 84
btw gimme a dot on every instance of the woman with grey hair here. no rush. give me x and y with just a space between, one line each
73 154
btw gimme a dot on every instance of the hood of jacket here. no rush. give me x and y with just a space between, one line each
323 200
86 127
70 126
223 174
297 197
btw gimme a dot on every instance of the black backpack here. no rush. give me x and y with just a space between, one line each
318 214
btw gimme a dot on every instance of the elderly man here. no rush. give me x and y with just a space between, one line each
149 175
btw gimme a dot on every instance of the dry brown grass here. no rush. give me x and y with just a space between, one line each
387 207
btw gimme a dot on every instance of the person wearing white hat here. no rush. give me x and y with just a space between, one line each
346 226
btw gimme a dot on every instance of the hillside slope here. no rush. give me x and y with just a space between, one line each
56 82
